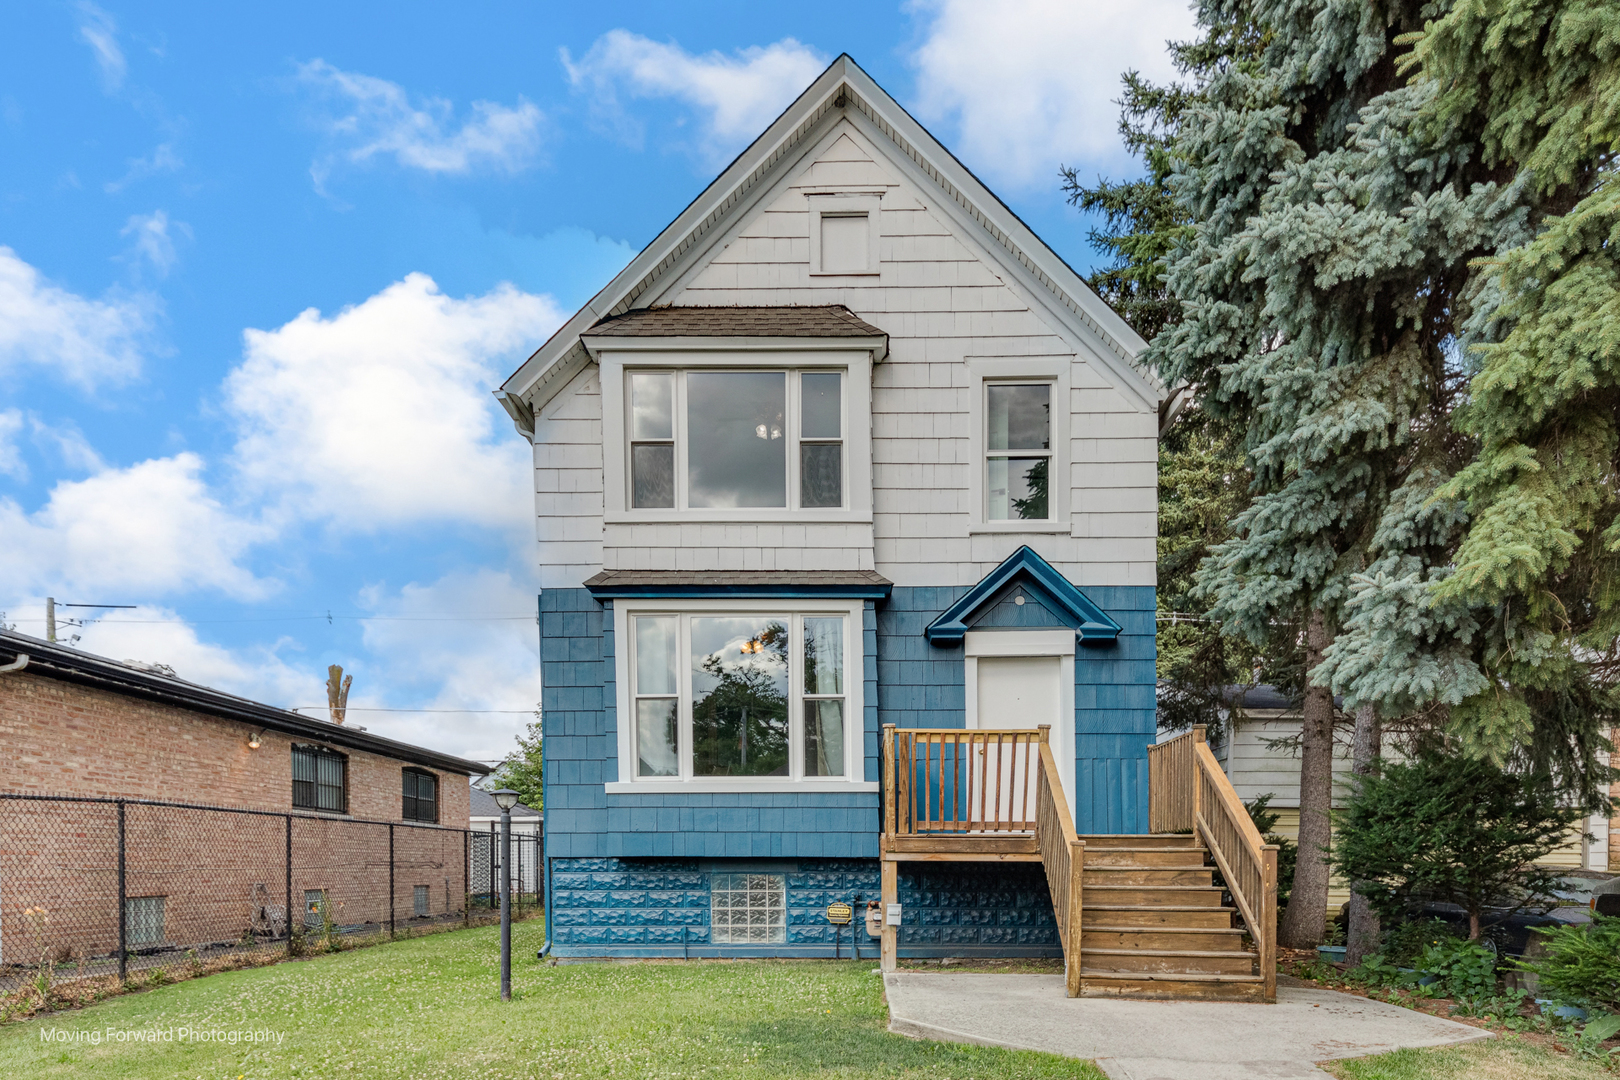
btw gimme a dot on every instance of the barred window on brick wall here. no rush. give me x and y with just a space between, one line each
421 796
320 779
747 909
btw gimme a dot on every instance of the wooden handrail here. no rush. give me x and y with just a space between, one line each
1247 863
958 780
1063 854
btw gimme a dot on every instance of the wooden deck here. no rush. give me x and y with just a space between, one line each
1137 915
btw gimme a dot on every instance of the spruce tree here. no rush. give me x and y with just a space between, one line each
1324 278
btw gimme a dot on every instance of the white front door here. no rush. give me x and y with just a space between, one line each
1023 679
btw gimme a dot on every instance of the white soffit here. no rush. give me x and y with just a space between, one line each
746 180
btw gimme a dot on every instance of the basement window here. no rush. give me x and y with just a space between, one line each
747 909
143 921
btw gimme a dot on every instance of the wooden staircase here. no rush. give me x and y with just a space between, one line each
1139 915
1154 924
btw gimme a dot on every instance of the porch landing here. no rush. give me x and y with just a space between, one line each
1161 1040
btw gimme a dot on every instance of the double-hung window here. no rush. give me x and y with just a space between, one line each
718 695
735 439
1018 451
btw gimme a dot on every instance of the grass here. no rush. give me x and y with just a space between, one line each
1505 1058
429 1007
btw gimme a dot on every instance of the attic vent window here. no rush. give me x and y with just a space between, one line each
843 234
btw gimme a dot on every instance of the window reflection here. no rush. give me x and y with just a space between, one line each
739 696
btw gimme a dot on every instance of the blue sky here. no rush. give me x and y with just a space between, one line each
259 270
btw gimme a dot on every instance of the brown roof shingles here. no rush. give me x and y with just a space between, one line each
826 320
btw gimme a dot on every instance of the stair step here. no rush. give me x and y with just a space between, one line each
1140 984
1139 840
1094 876
1169 961
1144 856
1184 895
1158 916
1150 937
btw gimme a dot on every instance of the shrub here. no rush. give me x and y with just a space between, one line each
1582 963
1451 828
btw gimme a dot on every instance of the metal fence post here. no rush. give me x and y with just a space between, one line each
390 880
288 868
123 902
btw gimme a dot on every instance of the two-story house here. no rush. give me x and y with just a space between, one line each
846 447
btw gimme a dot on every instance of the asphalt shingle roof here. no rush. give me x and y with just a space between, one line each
819 321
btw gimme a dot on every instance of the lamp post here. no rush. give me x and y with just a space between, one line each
506 798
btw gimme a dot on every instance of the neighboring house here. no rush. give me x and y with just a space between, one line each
845 446
526 836
334 797
1259 752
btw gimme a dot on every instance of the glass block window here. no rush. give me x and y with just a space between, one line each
747 909
420 899
143 921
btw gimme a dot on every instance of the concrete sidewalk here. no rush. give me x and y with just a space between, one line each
1161 1040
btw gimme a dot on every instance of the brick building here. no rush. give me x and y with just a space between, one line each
326 814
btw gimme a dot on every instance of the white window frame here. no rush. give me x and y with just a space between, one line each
854 363
627 783
986 371
846 204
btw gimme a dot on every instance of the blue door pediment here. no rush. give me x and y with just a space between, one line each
1092 625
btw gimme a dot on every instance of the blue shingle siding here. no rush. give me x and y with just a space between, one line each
921 685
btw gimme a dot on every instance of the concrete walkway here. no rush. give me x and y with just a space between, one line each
1161 1040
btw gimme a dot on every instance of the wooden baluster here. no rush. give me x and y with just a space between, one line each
888 783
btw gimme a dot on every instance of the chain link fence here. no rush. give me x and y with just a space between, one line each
95 888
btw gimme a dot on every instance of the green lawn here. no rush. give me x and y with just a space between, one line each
429 1007
1503 1058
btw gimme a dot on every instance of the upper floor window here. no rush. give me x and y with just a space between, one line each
735 439
421 796
320 779
1018 451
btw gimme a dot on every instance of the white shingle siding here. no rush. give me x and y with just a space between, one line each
942 299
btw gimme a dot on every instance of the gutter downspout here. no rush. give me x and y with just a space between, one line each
16 665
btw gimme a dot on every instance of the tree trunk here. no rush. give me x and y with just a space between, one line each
1362 939
1305 919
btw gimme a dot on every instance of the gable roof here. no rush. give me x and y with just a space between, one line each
844 89
818 321
1096 627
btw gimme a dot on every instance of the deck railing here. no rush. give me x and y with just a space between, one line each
1063 854
1189 792
954 780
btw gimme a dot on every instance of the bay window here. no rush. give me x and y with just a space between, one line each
735 439
713 695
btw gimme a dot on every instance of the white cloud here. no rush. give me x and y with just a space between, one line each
491 663
1032 84
162 159
151 240
381 415
11 461
87 342
146 530
155 634
738 96
376 118
98 30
